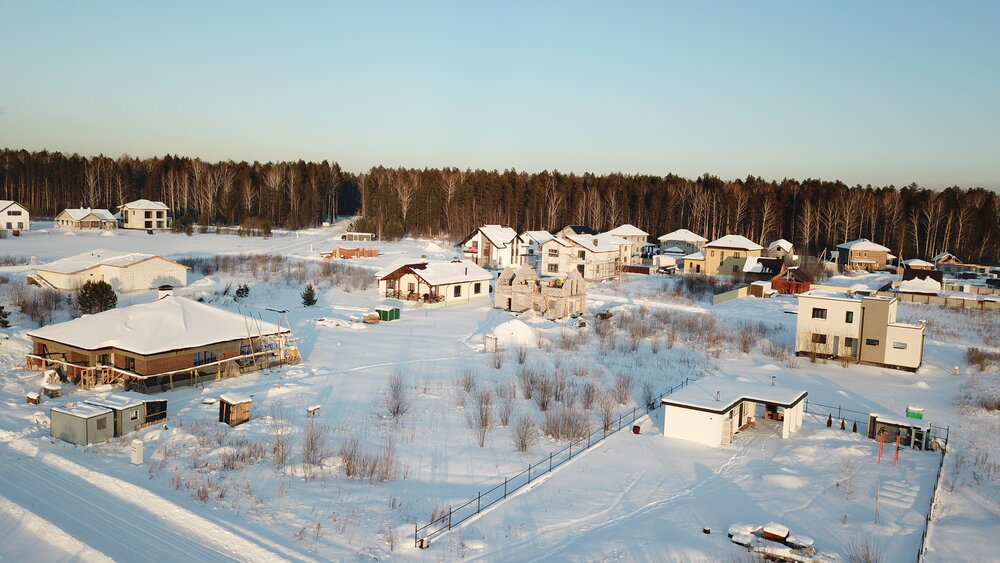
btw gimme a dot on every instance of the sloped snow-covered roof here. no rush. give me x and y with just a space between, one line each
80 214
5 203
96 257
499 236
603 242
782 244
762 265
538 236
628 230
862 244
944 256
683 234
735 241
81 410
917 262
172 323
144 204
115 401
440 272
673 250
719 394
918 285
695 256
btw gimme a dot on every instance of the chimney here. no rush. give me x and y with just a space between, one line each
718 395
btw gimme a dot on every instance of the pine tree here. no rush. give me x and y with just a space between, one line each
309 296
95 297
4 323
241 292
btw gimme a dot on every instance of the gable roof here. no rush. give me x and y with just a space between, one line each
172 323
538 236
683 234
580 229
862 244
915 262
782 244
439 272
628 230
5 203
794 274
735 241
97 257
945 257
499 236
700 255
81 213
144 204
603 242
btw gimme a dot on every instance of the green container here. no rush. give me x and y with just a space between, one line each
386 314
915 412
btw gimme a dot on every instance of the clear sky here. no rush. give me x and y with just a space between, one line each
866 92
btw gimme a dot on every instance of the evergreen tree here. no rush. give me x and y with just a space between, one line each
309 296
4 323
241 292
95 297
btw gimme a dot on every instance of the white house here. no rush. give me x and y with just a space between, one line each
125 271
439 282
14 216
681 243
492 246
712 410
633 234
86 219
857 328
597 257
780 248
529 247
144 214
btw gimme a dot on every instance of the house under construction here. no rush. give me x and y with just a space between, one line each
523 290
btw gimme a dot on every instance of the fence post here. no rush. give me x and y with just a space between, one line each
449 517
571 449
838 411
529 473
550 461
633 414
415 536
504 487
479 498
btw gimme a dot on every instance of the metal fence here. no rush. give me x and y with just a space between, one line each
485 499
861 418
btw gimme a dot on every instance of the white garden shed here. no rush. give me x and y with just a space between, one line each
712 410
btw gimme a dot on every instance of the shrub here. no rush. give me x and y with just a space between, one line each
4 323
525 433
314 444
396 400
564 423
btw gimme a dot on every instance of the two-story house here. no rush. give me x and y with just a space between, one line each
780 248
144 214
725 256
491 246
681 243
13 216
595 257
856 327
522 290
636 236
862 254
529 247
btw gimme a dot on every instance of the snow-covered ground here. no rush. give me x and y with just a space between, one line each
210 492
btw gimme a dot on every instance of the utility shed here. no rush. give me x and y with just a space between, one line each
712 409
234 409
83 424
132 410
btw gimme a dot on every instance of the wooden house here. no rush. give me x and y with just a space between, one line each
234 408
439 282
86 219
14 216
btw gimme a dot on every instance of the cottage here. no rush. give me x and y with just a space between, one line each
522 290
681 242
780 248
857 328
951 265
434 282
712 410
145 214
529 247
636 236
791 280
596 257
125 271
726 255
156 346
86 219
862 254
132 411
14 216
491 246
83 424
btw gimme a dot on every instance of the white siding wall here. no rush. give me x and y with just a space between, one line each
9 220
834 326
693 425
912 338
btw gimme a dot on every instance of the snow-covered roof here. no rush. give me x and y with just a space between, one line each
673 250
5 203
115 402
762 265
719 394
234 398
735 241
917 262
144 204
695 256
628 230
683 234
603 242
943 256
499 236
172 323
439 272
96 257
538 236
782 244
862 244
80 214
917 285
81 410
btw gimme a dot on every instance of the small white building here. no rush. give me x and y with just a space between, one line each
144 214
125 271
439 282
492 246
14 216
780 248
712 410
86 219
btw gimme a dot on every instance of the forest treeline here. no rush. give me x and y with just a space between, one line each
816 215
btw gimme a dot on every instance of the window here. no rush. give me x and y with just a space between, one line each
411 287
531 251
553 253
134 415
102 423
581 254
205 357
899 345
458 291
850 342
390 284
18 212
104 359
871 342
819 338
552 268
819 313
712 253
149 214
129 364
149 224
849 318
735 268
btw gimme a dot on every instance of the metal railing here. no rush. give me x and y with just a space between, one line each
485 499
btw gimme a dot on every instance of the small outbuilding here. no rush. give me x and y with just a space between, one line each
358 237
80 423
386 314
712 410
132 411
234 409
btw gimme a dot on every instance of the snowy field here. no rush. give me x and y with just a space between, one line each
208 492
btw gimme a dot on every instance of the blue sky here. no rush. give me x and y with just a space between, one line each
867 92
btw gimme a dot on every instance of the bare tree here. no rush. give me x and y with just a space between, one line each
451 180
525 433
396 400
606 409
315 446
482 415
